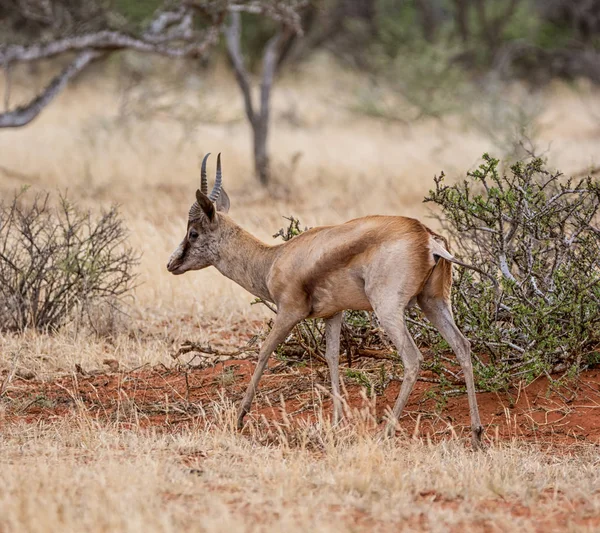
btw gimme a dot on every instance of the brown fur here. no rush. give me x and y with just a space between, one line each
330 265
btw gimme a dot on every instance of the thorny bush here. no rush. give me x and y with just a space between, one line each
536 232
58 263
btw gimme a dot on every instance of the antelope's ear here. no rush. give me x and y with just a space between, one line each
223 202
206 205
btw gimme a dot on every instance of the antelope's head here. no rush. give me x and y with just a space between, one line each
199 248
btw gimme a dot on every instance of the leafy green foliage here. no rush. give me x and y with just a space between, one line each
136 12
361 378
422 45
538 232
291 231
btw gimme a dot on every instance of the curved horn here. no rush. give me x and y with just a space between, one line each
218 182
203 181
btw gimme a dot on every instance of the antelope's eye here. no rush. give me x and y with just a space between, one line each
193 235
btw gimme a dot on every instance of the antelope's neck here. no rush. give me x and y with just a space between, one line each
245 259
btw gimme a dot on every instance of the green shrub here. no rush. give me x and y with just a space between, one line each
538 232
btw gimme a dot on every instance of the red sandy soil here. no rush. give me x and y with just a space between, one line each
541 412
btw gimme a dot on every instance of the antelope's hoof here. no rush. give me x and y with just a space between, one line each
240 419
389 432
476 440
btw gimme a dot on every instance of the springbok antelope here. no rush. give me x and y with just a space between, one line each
375 263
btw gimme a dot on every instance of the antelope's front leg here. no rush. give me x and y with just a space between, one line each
333 328
281 328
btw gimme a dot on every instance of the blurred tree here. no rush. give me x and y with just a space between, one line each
257 113
265 46
334 25
42 29
582 17
461 13
533 39
50 29
493 21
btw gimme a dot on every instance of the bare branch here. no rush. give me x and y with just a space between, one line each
164 19
109 41
287 13
170 33
25 114
7 85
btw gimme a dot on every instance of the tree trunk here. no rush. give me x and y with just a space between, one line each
260 130
258 115
492 28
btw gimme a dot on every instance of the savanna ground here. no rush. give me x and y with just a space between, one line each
103 430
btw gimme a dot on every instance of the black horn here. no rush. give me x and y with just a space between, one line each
203 180
218 182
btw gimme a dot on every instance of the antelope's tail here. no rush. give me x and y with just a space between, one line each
440 252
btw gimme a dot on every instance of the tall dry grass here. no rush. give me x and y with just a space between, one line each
76 474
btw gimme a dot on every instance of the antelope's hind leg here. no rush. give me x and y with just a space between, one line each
333 328
439 311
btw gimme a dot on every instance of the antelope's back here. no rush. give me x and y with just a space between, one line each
330 268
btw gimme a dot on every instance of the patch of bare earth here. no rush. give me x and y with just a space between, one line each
542 412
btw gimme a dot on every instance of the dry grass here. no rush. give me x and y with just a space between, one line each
77 474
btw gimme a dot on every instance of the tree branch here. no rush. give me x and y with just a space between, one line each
166 18
109 40
170 33
7 86
286 13
24 114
